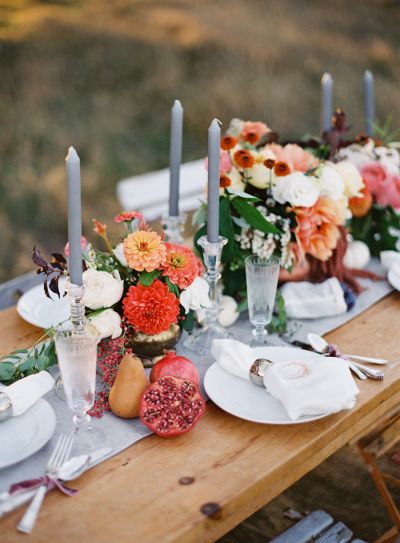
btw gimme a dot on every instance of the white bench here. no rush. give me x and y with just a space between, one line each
149 192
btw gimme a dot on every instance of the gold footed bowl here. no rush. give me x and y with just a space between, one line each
151 348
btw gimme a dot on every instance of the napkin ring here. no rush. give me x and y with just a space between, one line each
258 369
6 408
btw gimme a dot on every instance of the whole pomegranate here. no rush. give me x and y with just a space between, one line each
171 406
175 366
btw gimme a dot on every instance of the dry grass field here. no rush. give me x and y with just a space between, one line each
102 75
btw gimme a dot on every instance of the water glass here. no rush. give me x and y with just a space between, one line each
77 359
262 280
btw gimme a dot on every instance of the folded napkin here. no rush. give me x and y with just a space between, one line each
27 391
305 300
314 385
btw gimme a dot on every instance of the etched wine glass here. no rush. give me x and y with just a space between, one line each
262 280
77 359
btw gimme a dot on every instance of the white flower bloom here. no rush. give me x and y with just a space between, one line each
107 323
195 296
120 255
296 188
259 176
331 182
359 155
389 158
235 127
236 179
353 182
102 289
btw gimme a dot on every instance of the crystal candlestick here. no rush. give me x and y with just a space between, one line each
173 226
202 339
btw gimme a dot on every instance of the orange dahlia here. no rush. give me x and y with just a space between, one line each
144 250
181 265
151 310
244 159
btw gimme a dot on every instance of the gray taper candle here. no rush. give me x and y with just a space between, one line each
175 157
214 142
74 216
326 102
369 103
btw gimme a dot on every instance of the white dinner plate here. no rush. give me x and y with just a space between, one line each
37 309
250 402
22 436
394 280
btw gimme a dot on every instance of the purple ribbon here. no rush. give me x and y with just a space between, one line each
334 351
48 482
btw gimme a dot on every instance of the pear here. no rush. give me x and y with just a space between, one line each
128 387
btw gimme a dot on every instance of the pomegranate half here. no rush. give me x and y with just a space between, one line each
175 366
171 406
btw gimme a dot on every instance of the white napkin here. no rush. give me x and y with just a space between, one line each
27 391
305 300
313 386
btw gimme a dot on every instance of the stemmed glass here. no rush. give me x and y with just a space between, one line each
77 358
262 280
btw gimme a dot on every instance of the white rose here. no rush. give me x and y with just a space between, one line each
235 127
296 188
195 296
107 323
389 158
331 182
359 155
353 182
120 255
228 314
237 184
102 289
259 176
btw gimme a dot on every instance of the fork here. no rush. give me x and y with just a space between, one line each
59 456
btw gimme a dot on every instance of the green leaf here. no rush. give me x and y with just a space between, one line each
6 372
146 278
188 322
244 195
253 217
172 287
200 215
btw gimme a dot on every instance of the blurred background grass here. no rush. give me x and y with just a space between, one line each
102 75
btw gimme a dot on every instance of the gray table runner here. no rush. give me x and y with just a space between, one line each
120 434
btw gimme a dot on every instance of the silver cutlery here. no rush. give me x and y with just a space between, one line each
70 470
320 345
375 374
60 455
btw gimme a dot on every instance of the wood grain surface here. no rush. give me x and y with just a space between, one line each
236 466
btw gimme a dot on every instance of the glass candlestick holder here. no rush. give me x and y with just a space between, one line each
173 226
77 322
201 339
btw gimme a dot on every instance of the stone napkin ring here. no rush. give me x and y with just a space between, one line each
258 369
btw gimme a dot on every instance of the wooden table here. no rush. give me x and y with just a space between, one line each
138 496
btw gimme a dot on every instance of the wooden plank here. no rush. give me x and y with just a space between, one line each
306 529
339 533
237 466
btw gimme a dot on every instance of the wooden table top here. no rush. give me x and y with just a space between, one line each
236 466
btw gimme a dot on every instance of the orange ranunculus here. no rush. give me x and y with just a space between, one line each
144 250
254 131
244 159
317 227
228 142
360 206
269 163
224 181
295 157
152 309
281 169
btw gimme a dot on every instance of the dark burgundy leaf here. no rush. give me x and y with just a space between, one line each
59 257
53 285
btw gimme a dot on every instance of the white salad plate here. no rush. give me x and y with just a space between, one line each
22 436
37 309
394 280
242 399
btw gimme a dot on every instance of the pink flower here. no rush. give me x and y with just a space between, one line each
388 192
128 216
374 174
254 131
295 156
225 164
83 245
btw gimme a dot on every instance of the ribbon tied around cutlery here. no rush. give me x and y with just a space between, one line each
47 481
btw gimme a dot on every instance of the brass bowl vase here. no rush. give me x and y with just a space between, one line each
149 347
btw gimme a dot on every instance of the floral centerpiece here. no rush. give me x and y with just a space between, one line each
139 294
280 200
375 215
